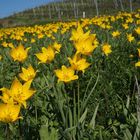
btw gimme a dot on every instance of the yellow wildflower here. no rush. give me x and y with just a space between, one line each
11 45
32 40
40 36
79 34
130 38
131 55
19 53
116 33
9 113
0 57
57 46
103 25
129 20
138 22
78 63
138 30
5 44
138 52
106 49
46 56
27 74
137 64
25 39
86 46
125 26
18 92
65 74
6 97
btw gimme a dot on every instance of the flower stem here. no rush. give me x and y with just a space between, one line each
20 130
7 132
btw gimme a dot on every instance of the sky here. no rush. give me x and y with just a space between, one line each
8 7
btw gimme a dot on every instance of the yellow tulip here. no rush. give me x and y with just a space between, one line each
106 49
27 74
11 45
19 53
32 40
18 92
130 38
116 33
79 34
57 46
6 97
137 64
0 57
9 113
86 46
65 74
5 44
78 63
138 30
138 22
40 36
138 51
131 55
125 26
46 56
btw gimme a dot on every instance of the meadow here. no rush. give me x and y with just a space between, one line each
75 80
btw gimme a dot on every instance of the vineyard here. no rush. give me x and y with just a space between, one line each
67 10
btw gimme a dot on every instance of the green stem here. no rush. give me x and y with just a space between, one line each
74 112
36 113
20 130
78 98
7 134
86 100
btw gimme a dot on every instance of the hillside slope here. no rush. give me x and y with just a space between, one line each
67 9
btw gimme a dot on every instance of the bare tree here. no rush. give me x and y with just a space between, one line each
57 9
116 4
34 12
122 8
131 9
49 8
74 8
82 2
96 5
